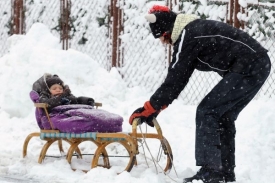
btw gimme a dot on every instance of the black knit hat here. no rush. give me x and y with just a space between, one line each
54 80
164 20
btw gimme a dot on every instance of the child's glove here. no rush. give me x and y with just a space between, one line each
145 113
65 101
86 101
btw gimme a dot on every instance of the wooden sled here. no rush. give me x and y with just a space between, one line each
100 157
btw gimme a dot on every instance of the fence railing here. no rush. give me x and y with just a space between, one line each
114 34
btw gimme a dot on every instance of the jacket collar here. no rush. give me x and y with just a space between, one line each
181 21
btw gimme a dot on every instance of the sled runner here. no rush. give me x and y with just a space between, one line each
109 135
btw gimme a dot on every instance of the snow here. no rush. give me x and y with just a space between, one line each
32 55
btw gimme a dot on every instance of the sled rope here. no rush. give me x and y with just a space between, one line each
161 168
148 149
144 153
159 153
158 157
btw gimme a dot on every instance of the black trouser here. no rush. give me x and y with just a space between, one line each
217 112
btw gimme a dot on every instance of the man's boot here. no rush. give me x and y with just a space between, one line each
229 174
207 175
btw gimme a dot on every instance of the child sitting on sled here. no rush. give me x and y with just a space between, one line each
51 90
68 113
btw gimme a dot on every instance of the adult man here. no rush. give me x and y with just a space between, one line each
208 45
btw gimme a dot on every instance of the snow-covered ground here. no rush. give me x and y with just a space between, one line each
32 55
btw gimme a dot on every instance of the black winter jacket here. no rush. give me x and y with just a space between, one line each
206 45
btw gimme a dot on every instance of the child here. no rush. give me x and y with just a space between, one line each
52 91
66 115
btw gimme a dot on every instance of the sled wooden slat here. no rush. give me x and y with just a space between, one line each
90 135
41 105
97 104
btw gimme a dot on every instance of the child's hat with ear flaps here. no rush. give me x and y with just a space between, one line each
54 80
161 20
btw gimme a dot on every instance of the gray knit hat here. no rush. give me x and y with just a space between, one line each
54 80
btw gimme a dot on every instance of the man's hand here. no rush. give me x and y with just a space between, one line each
145 113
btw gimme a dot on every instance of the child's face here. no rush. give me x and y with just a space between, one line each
56 90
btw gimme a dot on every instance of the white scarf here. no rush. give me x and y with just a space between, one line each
181 21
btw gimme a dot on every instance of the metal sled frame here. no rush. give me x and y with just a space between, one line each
101 140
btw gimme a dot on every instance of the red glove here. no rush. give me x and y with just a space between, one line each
144 113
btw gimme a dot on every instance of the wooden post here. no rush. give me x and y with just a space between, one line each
65 10
236 11
120 29
110 34
231 10
18 17
114 33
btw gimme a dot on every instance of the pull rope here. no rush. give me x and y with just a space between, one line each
148 149
144 153
158 156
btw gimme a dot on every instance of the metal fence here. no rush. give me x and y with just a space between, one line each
5 25
114 34
46 12
90 30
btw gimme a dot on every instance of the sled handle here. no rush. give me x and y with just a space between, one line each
137 121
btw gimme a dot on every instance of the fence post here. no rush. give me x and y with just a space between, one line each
115 28
236 11
120 29
231 10
65 10
110 31
18 17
